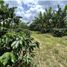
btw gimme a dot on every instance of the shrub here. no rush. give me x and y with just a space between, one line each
18 46
59 32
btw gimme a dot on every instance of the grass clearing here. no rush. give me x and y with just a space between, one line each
52 51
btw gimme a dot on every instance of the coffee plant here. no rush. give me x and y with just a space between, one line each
16 49
16 44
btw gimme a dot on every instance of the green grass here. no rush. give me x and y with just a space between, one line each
52 51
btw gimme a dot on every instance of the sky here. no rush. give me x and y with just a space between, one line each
28 9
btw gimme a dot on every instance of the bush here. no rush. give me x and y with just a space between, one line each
17 45
59 32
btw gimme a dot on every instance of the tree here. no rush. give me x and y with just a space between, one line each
51 20
7 16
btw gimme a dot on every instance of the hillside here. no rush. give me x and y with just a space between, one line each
52 51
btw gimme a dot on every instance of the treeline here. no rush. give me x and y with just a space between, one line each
51 21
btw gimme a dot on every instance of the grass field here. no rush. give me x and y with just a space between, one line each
52 51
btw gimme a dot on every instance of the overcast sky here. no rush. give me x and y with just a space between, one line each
29 8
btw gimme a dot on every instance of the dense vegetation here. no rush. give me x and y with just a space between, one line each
52 21
16 44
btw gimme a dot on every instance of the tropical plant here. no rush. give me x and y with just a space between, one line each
50 19
16 47
16 44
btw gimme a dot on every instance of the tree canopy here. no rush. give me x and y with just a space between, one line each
50 19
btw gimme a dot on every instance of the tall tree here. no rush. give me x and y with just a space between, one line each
7 15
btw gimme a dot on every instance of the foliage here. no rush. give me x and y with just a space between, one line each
8 17
58 32
50 19
16 44
7 59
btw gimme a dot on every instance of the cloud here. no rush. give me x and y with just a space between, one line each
30 8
